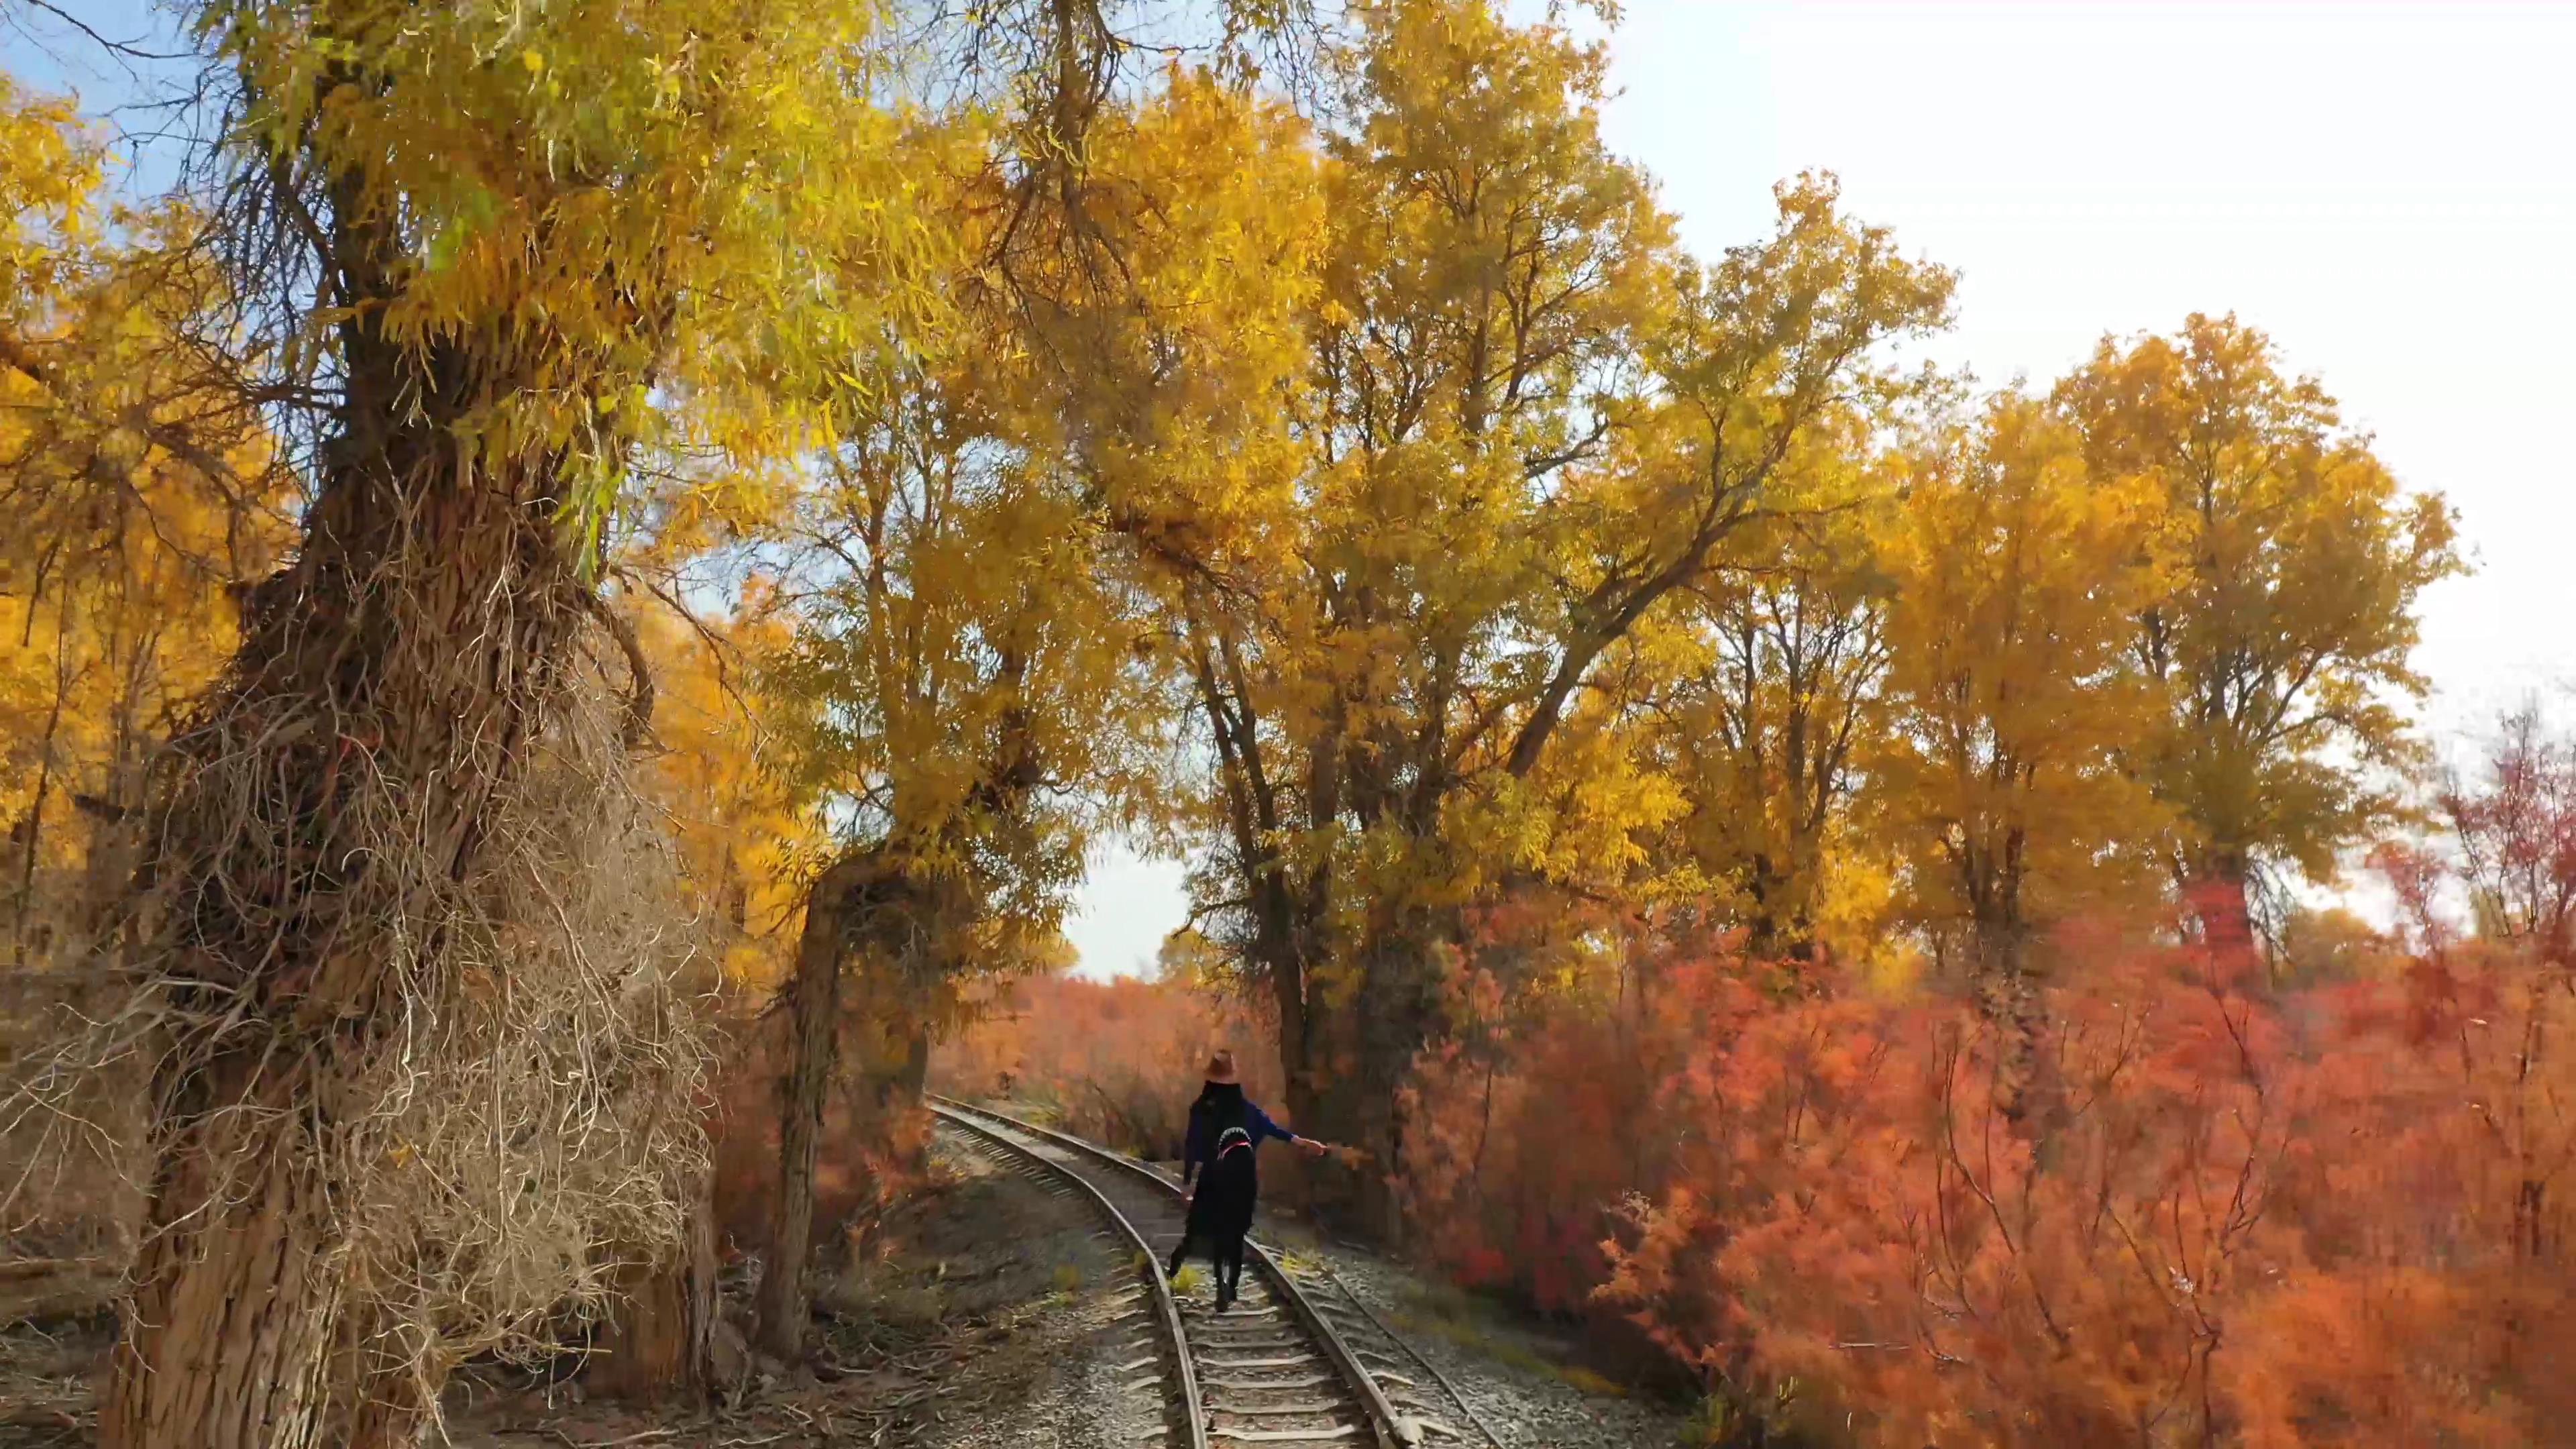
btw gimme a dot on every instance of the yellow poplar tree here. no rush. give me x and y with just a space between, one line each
1521 423
140 490
395 870
2280 646
1768 719
2014 579
972 689
739 826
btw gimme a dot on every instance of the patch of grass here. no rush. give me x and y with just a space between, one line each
1590 1382
1068 1277
1188 1279
1445 1312
1713 1422
907 1305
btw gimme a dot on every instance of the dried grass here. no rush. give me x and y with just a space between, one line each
501 1067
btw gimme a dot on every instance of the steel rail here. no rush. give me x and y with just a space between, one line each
1187 1367
1393 1430
1387 1331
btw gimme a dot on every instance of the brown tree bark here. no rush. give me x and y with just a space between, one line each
660 1339
242 1334
2222 898
229 1346
814 1008
407 657
868 920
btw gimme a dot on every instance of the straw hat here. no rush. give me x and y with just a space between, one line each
1220 1067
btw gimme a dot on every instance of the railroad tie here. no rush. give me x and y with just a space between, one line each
1288 1436
1390 1376
1286 1361
1272 1411
1308 1382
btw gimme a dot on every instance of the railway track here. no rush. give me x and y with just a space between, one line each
1298 1361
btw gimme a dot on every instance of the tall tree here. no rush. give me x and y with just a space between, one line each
1522 424
971 690
962 692
1768 721
493 238
2015 579
2282 646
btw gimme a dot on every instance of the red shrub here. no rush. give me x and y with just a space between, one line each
868 1155
2217 1216
1526 1133
1116 1061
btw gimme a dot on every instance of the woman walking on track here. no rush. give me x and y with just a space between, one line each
1225 1132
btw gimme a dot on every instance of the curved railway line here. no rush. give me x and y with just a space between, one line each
1298 1361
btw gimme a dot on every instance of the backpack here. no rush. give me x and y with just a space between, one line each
1220 1109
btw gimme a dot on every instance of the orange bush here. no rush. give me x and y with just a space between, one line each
2059 1275
1527 1130
1116 1061
867 1157
2334 1218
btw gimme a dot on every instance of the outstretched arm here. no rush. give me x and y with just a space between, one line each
1262 1126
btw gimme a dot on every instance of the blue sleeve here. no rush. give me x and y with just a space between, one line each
1262 1127
1193 1150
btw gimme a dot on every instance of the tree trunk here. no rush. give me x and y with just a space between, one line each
1368 1046
240 1333
2009 998
33 826
397 670
897 927
814 1004
1293 1031
2223 900
229 1344
661 1336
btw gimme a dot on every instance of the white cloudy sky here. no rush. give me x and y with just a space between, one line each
2388 189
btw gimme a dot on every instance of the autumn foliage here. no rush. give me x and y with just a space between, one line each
1114 1060
1746 839
2223 1212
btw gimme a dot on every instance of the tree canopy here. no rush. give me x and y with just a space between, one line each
577 507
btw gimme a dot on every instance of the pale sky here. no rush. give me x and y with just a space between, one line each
2389 190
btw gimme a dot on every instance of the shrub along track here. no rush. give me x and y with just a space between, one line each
1298 1361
